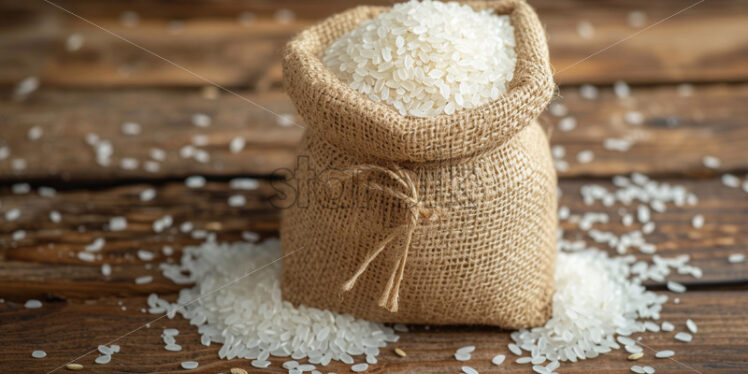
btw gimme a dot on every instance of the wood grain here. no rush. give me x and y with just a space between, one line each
166 118
45 262
719 347
214 46
677 132
712 121
108 82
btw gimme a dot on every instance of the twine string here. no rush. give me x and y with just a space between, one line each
408 194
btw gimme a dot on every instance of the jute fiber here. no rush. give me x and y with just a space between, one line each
441 220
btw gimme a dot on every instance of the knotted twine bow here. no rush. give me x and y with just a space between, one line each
416 211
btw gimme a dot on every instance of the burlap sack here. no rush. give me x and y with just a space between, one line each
441 220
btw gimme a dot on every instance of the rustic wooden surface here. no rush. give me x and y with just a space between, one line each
108 82
719 347
214 45
712 120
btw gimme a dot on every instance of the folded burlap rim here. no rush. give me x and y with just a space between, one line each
350 120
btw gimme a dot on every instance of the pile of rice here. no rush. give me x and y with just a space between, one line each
595 300
236 301
427 58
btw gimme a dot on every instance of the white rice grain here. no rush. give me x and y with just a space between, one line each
730 180
247 184
55 216
463 356
633 118
32 304
18 235
237 144
201 120
664 354
691 325
237 201
96 245
131 128
188 365
711 162
35 133
698 221
585 30
195 181
128 163
621 89
636 19
145 255
667 326
74 42
498 359
117 223
25 88
12 214
567 124
588 92
86 256
358 368
585 157
147 194
676 287
469 370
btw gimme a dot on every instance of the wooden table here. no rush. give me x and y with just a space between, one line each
107 82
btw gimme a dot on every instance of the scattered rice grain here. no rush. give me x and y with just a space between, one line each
201 120
676 287
469 370
711 162
190 365
358 368
683 337
635 356
664 354
498 359
691 325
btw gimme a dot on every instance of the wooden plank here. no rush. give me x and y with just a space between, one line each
304 10
712 121
166 119
680 48
675 136
219 51
68 330
45 262
724 210
212 44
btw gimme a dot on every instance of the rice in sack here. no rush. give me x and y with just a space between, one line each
445 217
